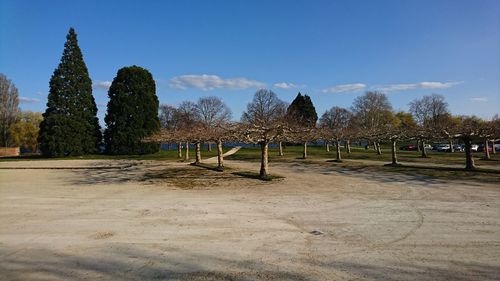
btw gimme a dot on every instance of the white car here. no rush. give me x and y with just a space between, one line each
428 147
474 147
442 147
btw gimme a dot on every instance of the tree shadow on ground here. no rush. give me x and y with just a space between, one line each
133 262
459 271
108 175
419 175
186 176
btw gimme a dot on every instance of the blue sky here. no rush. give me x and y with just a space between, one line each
330 50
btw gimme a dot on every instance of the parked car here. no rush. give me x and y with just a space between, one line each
428 147
474 147
458 147
497 147
480 148
442 147
408 147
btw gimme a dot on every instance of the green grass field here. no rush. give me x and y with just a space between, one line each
295 153
359 153
318 156
161 155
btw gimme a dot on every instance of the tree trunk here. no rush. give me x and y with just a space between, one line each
493 146
486 150
187 152
304 153
374 146
418 146
348 146
179 150
339 157
327 146
209 146
394 155
280 149
379 152
264 167
469 159
451 145
424 152
198 153
220 157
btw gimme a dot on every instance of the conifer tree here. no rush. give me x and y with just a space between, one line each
132 112
70 125
302 111
302 115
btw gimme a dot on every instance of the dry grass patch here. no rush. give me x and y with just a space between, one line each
103 235
204 176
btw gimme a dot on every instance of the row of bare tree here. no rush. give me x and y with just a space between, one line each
267 119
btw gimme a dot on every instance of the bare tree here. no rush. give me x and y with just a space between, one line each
169 120
495 129
169 117
371 110
335 123
214 116
490 134
429 113
9 108
471 128
400 127
188 123
263 122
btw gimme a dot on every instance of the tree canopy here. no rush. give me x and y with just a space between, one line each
132 112
9 108
302 111
70 125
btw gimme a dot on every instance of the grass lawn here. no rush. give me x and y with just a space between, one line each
315 153
359 153
161 155
318 156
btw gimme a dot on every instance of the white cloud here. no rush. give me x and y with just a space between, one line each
414 86
28 100
479 99
102 85
207 82
285 85
345 88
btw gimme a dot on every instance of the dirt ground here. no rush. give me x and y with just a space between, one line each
138 220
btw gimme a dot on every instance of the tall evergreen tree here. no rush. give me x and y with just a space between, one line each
302 115
302 111
132 112
70 125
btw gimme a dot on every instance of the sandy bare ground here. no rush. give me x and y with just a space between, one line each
132 220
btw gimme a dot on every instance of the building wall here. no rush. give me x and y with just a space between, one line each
9 151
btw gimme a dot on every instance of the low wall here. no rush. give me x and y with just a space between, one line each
9 151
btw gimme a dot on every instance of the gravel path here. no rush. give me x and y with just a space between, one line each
229 152
171 221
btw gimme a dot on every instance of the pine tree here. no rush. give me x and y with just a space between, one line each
132 112
70 125
302 111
